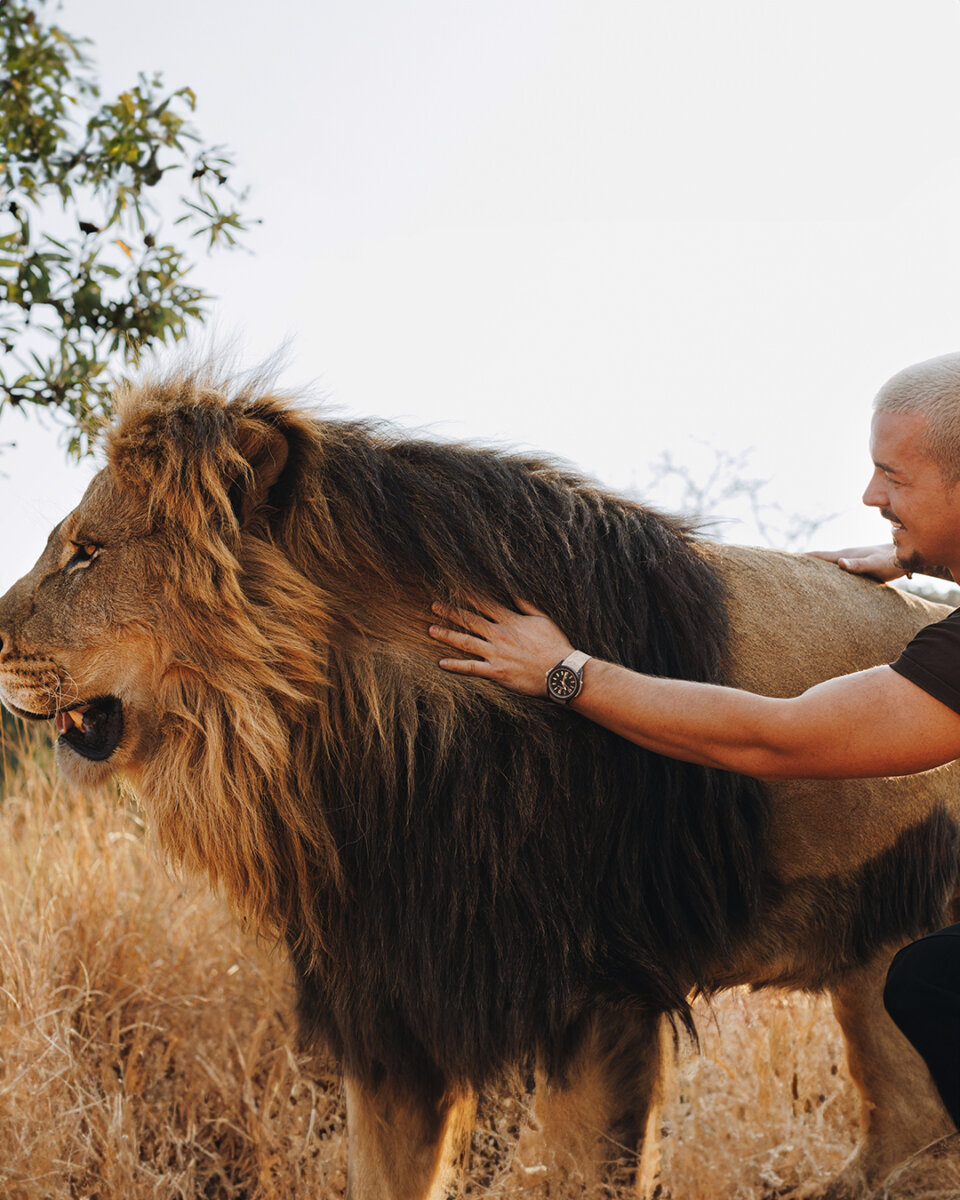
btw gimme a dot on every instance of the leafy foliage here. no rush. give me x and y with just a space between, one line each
102 280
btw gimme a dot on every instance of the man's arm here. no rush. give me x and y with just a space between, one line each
873 723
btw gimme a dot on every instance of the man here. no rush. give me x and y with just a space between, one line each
890 720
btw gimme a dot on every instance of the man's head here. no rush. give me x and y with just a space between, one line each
915 444
930 389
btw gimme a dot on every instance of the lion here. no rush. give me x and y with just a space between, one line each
234 619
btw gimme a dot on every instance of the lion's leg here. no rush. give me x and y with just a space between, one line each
902 1110
602 1117
403 1144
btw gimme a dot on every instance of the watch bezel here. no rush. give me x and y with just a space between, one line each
561 670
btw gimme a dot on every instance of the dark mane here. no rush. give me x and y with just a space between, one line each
462 876
648 867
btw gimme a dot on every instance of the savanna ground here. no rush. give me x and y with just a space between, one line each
147 1048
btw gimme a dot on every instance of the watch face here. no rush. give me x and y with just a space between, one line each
563 683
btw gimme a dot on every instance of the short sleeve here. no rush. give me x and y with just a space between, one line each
932 660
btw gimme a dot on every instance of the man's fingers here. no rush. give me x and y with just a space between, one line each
455 615
527 608
484 613
459 616
870 568
494 613
874 566
876 562
464 666
460 641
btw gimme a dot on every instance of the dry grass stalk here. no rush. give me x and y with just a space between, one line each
147 1050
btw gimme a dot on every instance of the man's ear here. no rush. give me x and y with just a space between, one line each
264 449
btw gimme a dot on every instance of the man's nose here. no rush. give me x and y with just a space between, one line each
875 495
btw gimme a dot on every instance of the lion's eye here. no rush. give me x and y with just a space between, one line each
83 555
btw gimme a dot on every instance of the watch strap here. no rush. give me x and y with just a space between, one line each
575 660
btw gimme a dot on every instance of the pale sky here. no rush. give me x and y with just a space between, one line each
601 229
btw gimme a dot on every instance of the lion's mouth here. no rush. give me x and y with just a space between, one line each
92 730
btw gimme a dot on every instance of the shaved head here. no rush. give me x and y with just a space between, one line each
930 389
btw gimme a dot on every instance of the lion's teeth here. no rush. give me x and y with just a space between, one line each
76 717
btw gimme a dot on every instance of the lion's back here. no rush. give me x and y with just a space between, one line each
795 621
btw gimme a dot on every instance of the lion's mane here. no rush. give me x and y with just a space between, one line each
461 876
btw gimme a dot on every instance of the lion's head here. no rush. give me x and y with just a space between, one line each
138 588
155 632
77 645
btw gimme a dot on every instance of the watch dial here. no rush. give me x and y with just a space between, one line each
563 682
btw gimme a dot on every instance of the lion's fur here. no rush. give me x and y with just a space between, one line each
465 878
419 841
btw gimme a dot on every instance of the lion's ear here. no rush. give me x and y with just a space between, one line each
264 449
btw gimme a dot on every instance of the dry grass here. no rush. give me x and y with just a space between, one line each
145 1041
146 1044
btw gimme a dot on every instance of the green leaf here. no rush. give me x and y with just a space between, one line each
76 308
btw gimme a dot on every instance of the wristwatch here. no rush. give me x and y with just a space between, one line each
565 680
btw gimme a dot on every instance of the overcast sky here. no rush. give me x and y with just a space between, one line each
599 228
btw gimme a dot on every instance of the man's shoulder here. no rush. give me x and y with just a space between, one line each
932 660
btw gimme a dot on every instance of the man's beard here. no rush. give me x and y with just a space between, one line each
912 563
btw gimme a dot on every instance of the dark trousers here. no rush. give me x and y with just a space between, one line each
922 995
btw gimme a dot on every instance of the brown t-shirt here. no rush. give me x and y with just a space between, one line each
932 660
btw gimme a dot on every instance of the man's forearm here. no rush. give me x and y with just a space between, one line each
714 726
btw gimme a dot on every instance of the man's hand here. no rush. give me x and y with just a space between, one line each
514 648
876 562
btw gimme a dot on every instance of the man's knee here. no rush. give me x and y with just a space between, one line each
924 977
900 992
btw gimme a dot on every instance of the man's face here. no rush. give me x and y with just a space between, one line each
911 493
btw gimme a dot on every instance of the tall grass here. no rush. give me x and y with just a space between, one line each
145 1041
147 1048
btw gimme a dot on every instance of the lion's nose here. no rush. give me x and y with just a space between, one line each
7 638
